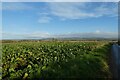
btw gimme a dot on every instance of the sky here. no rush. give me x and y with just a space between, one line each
60 0
34 20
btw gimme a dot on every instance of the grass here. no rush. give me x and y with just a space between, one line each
93 65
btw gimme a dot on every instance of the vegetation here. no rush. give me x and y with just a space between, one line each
0 61
55 59
118 42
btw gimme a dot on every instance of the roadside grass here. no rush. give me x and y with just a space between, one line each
92 65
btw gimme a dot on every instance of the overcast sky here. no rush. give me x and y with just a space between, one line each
47 19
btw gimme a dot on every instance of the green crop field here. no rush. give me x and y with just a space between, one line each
53 59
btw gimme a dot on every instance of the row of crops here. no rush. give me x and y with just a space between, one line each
43 60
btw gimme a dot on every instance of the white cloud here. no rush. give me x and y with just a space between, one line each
89 35
44 19
38 35
41 35
98 31
0 5
35 35
111 10
67 10
16 6
81 10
